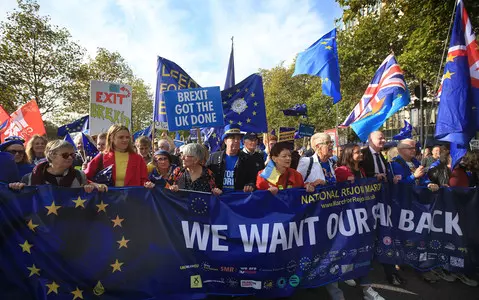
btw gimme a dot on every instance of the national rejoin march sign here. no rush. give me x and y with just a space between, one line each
135 243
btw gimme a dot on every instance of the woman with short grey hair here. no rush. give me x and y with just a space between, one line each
194 175
57 170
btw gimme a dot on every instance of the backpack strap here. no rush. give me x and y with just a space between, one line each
308 172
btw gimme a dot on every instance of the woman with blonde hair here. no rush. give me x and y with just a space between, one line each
127 167
35 149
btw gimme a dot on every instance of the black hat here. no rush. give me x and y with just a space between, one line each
250 136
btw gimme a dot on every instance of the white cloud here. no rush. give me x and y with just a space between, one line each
194 34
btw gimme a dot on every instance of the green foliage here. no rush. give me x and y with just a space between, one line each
36 58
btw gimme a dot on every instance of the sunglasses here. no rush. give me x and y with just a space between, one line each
161 159
67 155
19 152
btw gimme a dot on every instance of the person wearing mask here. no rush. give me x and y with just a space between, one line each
278 174
233 169
127 167
194 176
161 168
143 147
101 142
318 169
14 146
57 169
35 149
250 141
349 170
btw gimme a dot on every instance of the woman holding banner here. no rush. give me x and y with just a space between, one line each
124 166
14 146
36 149
161 168
278 173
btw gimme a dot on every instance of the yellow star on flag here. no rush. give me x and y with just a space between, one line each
451 57
77 294
52 209
52 287
102 206
122 242
79 202
254 113
240 123
117 221
324 43
230 95
26 247
231 121
31 225
248 120
252 95
448 75
214 134
116 266
33 270
255 103
246 89
328 47
326 79
238 90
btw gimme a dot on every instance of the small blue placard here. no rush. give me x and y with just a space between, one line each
305 130
193 108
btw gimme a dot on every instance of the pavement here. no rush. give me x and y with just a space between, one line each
414 289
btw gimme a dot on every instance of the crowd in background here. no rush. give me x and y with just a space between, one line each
245 163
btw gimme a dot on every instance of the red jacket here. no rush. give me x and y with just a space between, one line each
295 180
136 171
459 178
343 172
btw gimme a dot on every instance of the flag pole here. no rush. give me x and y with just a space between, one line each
153 137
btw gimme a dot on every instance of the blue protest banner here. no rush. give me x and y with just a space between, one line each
192 108
306 130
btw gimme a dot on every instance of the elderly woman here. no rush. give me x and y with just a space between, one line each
161 168
127 167
57 170
36 149
14 146
278 175
319 168
143 147
194 176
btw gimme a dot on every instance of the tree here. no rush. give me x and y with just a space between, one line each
36 58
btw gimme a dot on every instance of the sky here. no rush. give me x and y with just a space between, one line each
194 34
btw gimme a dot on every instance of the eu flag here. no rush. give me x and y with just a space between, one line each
230 74
213 137
296 110
144 132
89 148
80 125
243 104
321 59
69 139
405 133
459 90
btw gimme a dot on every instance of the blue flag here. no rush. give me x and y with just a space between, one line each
144 132
405 133
213 137
69 139
321 59
80 125
89 148
459 90
230 74
296 110
169 76
243 104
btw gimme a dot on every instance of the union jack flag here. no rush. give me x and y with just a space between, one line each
385 95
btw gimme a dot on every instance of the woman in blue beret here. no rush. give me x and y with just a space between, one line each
14 145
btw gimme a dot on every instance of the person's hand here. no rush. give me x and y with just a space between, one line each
84 166
397 178
319 182
273 190
248 189
101 187
420 171
89 188
309 187
16 185
149 185
217 191
381 177
433 187
174 188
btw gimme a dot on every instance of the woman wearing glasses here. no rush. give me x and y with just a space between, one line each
56 170
14 145
161 168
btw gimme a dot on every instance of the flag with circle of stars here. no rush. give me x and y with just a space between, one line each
80 125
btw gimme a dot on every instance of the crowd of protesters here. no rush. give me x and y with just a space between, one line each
277 166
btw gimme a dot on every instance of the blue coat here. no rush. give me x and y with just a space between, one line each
400 167
9 170
24 169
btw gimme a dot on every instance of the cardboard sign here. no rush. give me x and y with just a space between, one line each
110 103
194 108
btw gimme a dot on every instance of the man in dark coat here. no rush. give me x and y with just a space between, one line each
233 169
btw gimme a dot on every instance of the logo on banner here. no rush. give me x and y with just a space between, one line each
227 269
435 244
268 284
423 256
305 263
334 270
347 268
291 267
450 246
199 205
281 283
232 282
412 256
387 240
248 270
456 262
196 282
294 281
443 258
251 284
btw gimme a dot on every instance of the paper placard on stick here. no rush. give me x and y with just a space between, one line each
306 130
194 108
110 103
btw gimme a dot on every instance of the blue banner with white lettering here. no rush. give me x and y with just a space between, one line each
194 108
134 243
